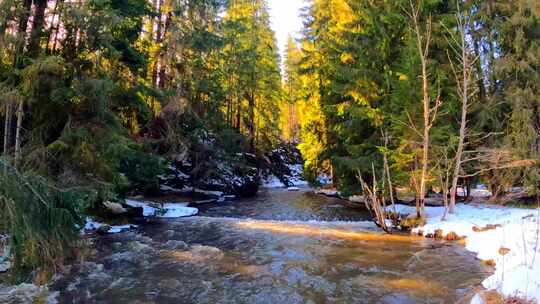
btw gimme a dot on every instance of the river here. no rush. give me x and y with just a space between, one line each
280 247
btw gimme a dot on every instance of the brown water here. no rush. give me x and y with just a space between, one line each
282 247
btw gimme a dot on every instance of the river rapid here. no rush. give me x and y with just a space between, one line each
279 247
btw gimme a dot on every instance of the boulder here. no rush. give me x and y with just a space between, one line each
114 208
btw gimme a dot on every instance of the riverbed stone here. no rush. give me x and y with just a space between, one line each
169 234
176 245
139 247
170 284
206 252
22 293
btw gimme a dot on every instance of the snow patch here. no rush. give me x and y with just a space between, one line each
147 209
168 210
480 191
272 182
92 225
513 243
175 210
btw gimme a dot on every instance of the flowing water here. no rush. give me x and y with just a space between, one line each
281 247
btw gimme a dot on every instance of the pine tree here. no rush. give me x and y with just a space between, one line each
255 76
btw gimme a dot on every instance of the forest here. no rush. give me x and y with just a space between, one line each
99 99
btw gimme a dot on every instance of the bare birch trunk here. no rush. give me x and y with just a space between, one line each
464 94
423 52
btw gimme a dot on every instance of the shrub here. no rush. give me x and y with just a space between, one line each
43 221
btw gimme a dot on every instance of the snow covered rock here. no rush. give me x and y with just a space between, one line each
92 225
168 210
175 210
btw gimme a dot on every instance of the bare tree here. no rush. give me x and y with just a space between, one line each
373 199
464 91
423 42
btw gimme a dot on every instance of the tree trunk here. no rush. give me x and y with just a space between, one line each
162 66
155 67
423 44
18 133
464 108
21 32
387 170
238 113
52 25
38 22
7 129
251 126
427 126
56 28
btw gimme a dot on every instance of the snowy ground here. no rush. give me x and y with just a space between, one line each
512 243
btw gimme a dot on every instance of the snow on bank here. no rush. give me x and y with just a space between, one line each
187 189
92 225
272 182
175 210
168 210
147 209
295 178
512 243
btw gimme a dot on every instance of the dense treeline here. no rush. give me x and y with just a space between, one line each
97 97
445 92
